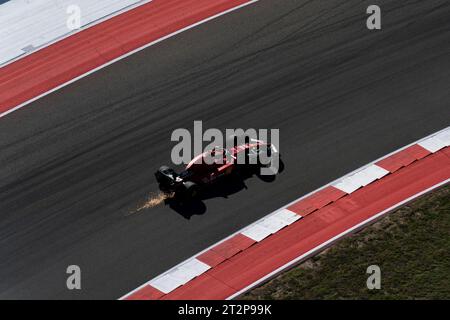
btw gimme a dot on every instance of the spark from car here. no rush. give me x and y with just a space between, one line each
153 200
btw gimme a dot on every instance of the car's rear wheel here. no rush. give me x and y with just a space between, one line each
191 190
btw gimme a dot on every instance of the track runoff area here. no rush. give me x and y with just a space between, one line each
292 233
72 58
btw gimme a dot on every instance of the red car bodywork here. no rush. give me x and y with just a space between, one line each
219 162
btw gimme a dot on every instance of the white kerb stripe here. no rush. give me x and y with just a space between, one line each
165 283
372 173
189 270
273 223
179 276
347 185
377 171
432 144
263 228
444 136
287 215
256 232
195 266
361 178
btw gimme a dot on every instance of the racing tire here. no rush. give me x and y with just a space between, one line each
159 174
191 190
163 168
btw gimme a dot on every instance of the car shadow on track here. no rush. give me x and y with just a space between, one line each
224 188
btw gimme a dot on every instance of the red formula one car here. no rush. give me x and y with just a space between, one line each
209 166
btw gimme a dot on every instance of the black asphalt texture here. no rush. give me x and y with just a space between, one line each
75 164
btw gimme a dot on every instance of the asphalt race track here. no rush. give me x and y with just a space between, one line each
76 163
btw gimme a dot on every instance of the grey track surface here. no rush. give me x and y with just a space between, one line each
75 163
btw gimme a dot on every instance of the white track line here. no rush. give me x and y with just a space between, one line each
127 55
